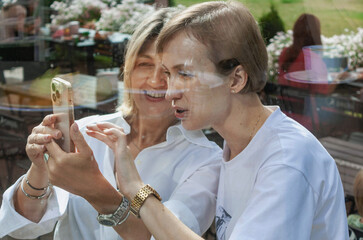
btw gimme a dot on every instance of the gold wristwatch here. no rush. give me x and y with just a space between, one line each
140 198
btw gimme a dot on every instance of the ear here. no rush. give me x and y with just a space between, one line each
239 79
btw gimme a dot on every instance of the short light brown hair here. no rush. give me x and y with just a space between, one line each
231 35
358 191
146 32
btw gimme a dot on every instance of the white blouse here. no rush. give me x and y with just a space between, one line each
184 170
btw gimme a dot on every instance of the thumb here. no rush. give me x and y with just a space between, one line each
78 140
54 149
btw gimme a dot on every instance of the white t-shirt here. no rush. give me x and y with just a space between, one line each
184 170
284 185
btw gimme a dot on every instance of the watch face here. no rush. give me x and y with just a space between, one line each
106 222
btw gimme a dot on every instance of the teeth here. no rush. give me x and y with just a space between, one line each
155 94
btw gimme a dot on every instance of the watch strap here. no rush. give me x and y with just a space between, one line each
118 217
140 198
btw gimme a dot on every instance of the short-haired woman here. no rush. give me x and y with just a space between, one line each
277 181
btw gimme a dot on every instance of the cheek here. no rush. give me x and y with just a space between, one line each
211 80
209 103
201 103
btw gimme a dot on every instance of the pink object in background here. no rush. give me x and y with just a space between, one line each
314 63
73 27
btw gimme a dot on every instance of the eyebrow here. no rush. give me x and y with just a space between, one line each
144 56
178 67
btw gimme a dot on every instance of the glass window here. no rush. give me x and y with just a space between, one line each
314 74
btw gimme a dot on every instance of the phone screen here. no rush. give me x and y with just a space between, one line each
62 99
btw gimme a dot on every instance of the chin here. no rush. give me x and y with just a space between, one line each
157 113
188 125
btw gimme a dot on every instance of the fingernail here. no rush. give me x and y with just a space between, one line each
46 157
75 127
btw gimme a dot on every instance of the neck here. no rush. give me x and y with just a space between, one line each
245 118
147 132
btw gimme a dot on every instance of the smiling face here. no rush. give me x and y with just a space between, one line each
149 84
200 96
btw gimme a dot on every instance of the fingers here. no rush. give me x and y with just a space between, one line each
55 133
105 128
49 120
54 150
39 138
102 137
115 134
109 133
79 140
46 127
107 125
34 150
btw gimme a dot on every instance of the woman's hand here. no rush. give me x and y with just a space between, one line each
79 174
41 135
74 172
128 178
37 175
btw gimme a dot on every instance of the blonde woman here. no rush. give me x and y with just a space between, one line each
183 166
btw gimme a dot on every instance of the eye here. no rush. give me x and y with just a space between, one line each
185 74
145 64
167 73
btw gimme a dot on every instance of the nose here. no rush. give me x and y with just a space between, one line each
157 80
173 92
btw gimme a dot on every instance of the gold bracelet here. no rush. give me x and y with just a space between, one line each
33 196
140 198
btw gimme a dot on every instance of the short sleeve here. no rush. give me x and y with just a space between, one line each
200 187
281 206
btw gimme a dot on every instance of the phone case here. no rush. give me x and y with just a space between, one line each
62 99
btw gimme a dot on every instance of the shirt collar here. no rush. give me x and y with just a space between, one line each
197 136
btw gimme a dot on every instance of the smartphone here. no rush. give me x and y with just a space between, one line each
62 100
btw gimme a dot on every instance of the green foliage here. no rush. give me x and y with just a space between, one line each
47 3
171 3
290 1
270 24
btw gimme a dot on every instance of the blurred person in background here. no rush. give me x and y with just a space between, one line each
12 22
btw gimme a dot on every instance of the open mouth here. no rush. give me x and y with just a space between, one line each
155 94
179 111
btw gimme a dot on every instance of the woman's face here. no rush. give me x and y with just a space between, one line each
200 96
149 84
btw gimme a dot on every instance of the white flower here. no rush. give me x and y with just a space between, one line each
123 17
69 10
349 44
5 3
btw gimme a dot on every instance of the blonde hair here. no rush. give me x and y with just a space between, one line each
146 32
358 191
231 35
